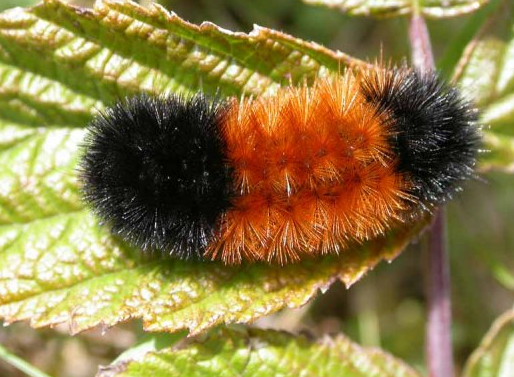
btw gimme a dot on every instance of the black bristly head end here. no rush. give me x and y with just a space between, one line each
154 170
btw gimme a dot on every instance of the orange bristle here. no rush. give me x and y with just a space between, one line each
313 172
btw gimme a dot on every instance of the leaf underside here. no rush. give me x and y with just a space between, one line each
255 353
392 8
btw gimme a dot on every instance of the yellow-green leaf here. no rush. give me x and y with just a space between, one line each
486 74
391 8
495 355
58 66
255 353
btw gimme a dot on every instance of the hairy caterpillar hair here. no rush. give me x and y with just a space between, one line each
304 172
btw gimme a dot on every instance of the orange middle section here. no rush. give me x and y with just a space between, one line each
313 172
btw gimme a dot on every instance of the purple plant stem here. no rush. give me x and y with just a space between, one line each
438 337
422 57
439 341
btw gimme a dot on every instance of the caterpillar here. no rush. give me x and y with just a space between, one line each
307 171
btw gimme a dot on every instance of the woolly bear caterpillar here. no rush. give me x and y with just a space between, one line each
304 172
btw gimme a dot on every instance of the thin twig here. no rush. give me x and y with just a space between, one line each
438 338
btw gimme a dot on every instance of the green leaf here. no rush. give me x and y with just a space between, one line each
150 342
58 66
495 355
20 364
253 353
485 74
455 48
392 8
6 4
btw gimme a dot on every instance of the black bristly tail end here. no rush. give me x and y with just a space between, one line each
434 130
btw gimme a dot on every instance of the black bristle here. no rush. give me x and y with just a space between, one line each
154 170
434 130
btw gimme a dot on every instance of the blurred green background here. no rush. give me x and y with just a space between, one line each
387 307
